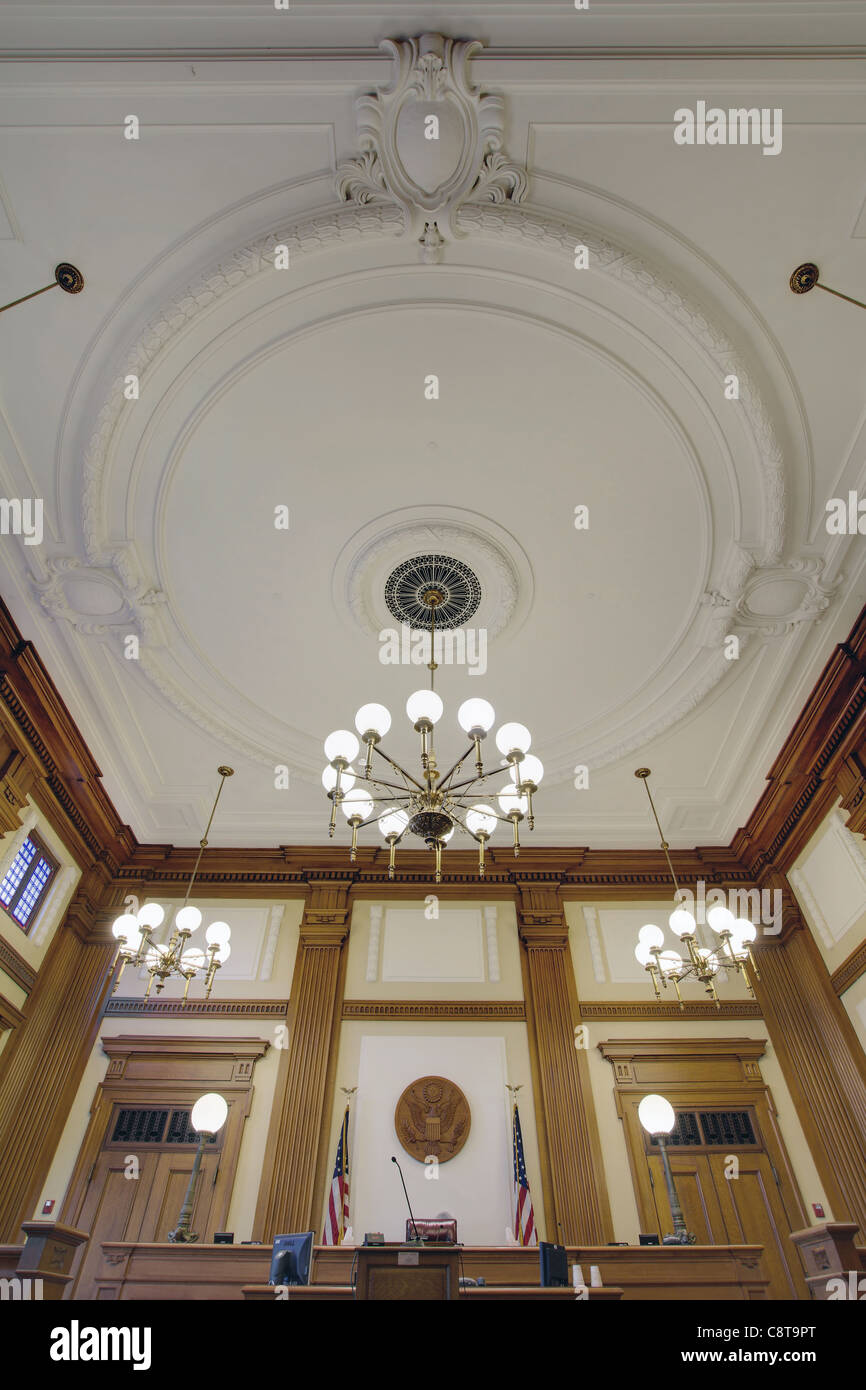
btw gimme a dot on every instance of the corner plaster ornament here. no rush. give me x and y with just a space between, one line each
430 141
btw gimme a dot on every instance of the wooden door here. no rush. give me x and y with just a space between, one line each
722 1210
120 1206
753 1211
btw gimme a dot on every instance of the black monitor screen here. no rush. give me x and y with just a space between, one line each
554 1266
291 1259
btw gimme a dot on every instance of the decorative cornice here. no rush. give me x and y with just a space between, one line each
123 1007
480 1009
845 975
10 1016
669 1012
16 967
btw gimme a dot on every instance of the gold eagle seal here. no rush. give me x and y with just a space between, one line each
432 1119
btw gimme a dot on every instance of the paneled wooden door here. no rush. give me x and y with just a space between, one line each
120 1207
727 1210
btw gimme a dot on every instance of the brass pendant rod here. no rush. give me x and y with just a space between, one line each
443 781
840 295
643 773
224 773
66 277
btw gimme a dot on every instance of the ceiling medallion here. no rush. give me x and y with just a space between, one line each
431 805
457 587
430 141
432 1119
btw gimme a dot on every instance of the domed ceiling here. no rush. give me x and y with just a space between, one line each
577 373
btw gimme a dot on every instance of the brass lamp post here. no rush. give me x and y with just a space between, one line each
208 1117
658 1119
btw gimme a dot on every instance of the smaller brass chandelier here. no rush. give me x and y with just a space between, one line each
704 963
133 932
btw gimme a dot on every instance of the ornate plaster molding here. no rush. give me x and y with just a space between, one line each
429 141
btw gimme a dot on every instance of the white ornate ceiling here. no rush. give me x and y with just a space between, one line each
559 387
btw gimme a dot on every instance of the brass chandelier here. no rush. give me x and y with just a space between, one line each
704 963
133 932
430 805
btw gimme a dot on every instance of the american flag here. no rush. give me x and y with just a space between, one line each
524 1219
337 1219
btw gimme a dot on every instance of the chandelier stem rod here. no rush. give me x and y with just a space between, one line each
840 295
397 768
664 843
224 773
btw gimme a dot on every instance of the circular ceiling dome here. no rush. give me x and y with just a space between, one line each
456 584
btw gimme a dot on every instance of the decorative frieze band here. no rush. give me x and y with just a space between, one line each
850 970
481 1009
669 1011
196 1008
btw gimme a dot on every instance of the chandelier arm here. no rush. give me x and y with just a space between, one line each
402 771
443 781
405 791
472 780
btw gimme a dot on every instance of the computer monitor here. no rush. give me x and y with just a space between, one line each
224 1238
554 1266
648 1239
291 1259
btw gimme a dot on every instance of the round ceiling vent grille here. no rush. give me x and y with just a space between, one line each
458 585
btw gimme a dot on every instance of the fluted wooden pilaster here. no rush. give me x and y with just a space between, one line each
823 1063
42 1065
288 1198
576 1197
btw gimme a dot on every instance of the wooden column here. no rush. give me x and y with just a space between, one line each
289 1196
576 1192
821 1057
43 1063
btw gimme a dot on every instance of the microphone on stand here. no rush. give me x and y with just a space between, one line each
408 1203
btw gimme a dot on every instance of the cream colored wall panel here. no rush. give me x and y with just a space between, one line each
613 1144
475 1186
448 948
12 991
470 951
829 880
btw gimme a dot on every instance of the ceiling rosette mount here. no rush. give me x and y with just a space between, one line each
430 141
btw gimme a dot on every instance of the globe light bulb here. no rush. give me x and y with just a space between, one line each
513 738
643 954
656 1115
682 923
217 932
393 823
125 926
510 801
720 918
743 930
188 918
529 770
651 935
670 962
347 779
151 915
193 959
209 1113
424 704
481 820
222 952
342 744
357 802
373 719
476 716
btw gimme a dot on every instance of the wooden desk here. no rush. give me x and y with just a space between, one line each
136 1270
408 1272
